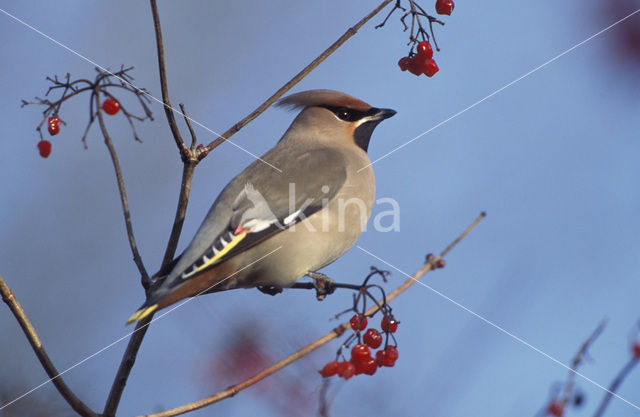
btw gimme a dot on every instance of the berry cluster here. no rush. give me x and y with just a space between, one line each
110 106
66 89
420 63
362 361
53 127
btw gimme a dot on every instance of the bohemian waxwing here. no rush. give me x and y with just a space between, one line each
271 227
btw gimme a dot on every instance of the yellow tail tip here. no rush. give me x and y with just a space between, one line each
142 313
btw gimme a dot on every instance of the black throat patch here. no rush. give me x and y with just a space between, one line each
362 134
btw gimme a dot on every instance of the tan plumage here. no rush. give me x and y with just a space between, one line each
270 228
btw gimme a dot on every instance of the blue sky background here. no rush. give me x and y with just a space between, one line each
553 160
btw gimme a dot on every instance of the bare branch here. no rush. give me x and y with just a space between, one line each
295 80
336 332
123 193
129 357
181 211
15 307
622 375
163 81
187 120
126 364
579 357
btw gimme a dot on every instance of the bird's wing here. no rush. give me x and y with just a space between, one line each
267 202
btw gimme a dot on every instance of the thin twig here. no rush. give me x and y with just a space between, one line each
163 81
264 106
28 330
628 367
336 332
123 193
187 120
579 357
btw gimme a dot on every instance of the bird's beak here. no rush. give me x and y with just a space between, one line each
384 114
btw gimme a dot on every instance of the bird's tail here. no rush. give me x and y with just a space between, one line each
143 312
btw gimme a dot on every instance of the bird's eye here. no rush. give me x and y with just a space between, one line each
344 114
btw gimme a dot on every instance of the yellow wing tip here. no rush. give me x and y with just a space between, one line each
142 313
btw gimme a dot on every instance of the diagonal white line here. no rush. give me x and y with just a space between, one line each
130 84
130 333
492 324
502 88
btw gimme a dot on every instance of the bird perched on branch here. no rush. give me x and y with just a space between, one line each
293 211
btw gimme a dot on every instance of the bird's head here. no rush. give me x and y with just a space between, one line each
333 116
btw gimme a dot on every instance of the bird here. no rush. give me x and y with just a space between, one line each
293 211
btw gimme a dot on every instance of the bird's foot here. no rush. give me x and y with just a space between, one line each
323 284
270 289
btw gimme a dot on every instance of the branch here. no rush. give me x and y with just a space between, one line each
129 356
183 201
15 307
336 332
123 194
131 352
168 110
577 360
295 80
128 360
187 120
628 367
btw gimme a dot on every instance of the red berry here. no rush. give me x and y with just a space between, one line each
444 6
413 68
427 66
387 356
360 353
358 322
373 338
330 369
424 50
404 63
53 129
556 409
383 358
54 125
389 325
636 350
111 106
44 147
346 369
393 352
368 367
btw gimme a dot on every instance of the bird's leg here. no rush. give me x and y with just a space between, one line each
270 289
323 284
